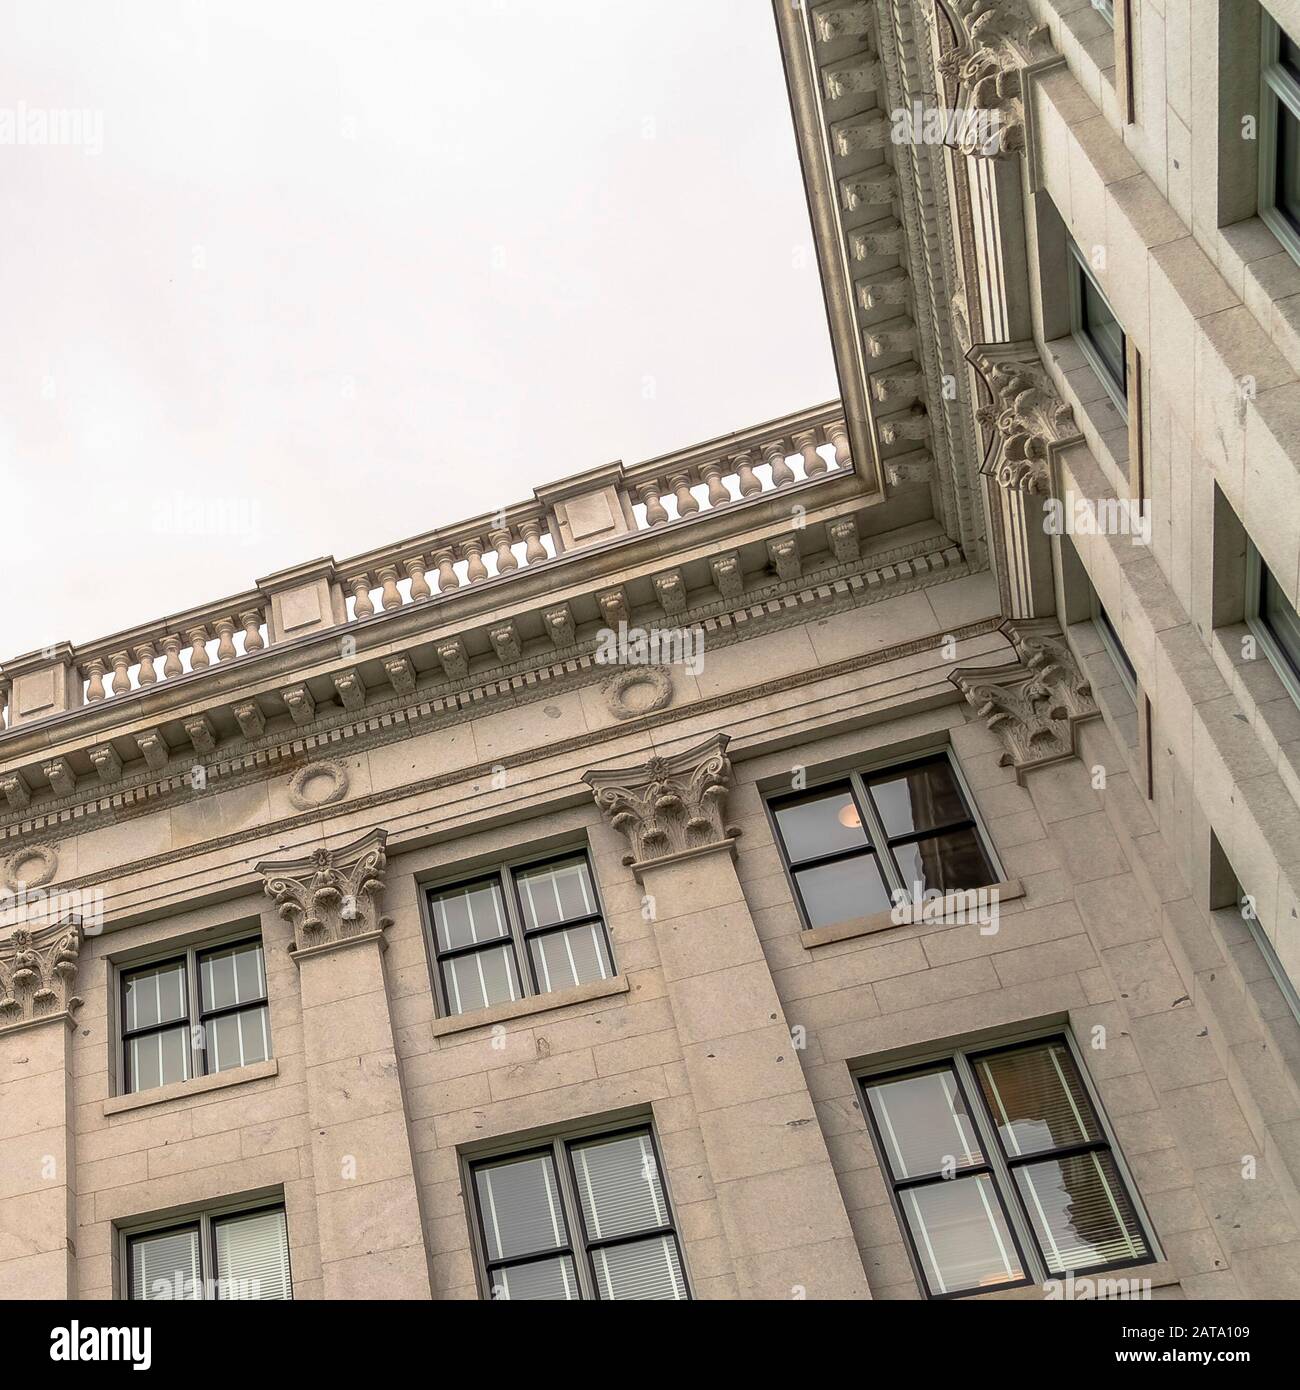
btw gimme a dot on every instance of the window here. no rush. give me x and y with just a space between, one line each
520 930
224 1254
1106 9
1002 1170
579 1218
863 845
1273 620
199 1012
1114 647
1097 331
1279 146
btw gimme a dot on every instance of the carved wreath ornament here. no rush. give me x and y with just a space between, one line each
332 894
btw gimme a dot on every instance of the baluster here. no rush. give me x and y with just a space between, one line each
171 645
121 663
447 577
415 567
687 502
144 655
95 680
838 434
719 495
813 463
392 596
534 550
744 466
774 455
656 514
507 560
360 586
198 639
251 623
225 628
473 552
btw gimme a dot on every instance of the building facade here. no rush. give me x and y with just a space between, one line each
853 858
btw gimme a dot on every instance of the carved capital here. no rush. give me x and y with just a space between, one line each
331 895
38 973
668 805
1034 702
1024 414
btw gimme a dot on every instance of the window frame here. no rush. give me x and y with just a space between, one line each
881 844
1259 626
190 955
1278 87
580 1247
205 1220
505 874
1079 270
1114 646
960 1058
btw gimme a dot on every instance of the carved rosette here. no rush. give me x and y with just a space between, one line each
38 972
668 806
331 895
1025 415
1033 703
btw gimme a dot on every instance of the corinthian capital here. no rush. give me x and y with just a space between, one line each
1034 702
669 806
37 973
1025 415
331 895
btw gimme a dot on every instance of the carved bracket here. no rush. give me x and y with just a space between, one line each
38 971
331 895
1025 415
668 805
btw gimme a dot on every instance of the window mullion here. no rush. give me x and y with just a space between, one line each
577 1230
876 833
518 936
197 1040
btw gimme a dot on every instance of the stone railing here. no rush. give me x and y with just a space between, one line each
601 506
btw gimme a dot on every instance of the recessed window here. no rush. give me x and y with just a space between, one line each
195 1013
861 846
520 930
582 1218
1106 8
1279 146
1002 1170
1114 647
1270 615
1097 330
226 1254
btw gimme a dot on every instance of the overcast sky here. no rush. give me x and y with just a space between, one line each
317 276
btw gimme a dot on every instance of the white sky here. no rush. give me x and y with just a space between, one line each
346 271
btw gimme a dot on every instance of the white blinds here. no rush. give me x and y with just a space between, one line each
253 1256
166 1266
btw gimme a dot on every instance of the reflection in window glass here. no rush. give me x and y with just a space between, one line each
842 890
962 1235
820 824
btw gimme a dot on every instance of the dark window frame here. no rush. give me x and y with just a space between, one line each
190 957
580 1246
205 1221
505 877
1279 96
880 844
1276 649
1033 1262
1080 275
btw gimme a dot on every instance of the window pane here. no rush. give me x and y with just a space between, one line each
540 1280
253 1257
1037 1099
820 823
1280 618
1287 192
1100 328
619 1186
961 1235
918 798
924 1124
842 890
556 893
234 975
572 956
645 1269
944 863
166 1266
519 1202
157 1059
465 916
481 978
1288 53
1080 1212
156 995
236 1040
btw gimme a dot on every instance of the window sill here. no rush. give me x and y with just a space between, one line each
196 1086
938 911
1158 1274
533 1004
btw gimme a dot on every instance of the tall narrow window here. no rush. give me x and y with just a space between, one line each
1002 1170
1273 620
581 1218
1279 145
1098 331
230 1254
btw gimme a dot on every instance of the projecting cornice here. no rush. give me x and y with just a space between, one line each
38 974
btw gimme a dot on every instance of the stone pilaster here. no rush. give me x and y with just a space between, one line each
367 1198
782 1209
38 1220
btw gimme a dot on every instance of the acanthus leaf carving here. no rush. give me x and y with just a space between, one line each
1025 415
331 895
38 973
